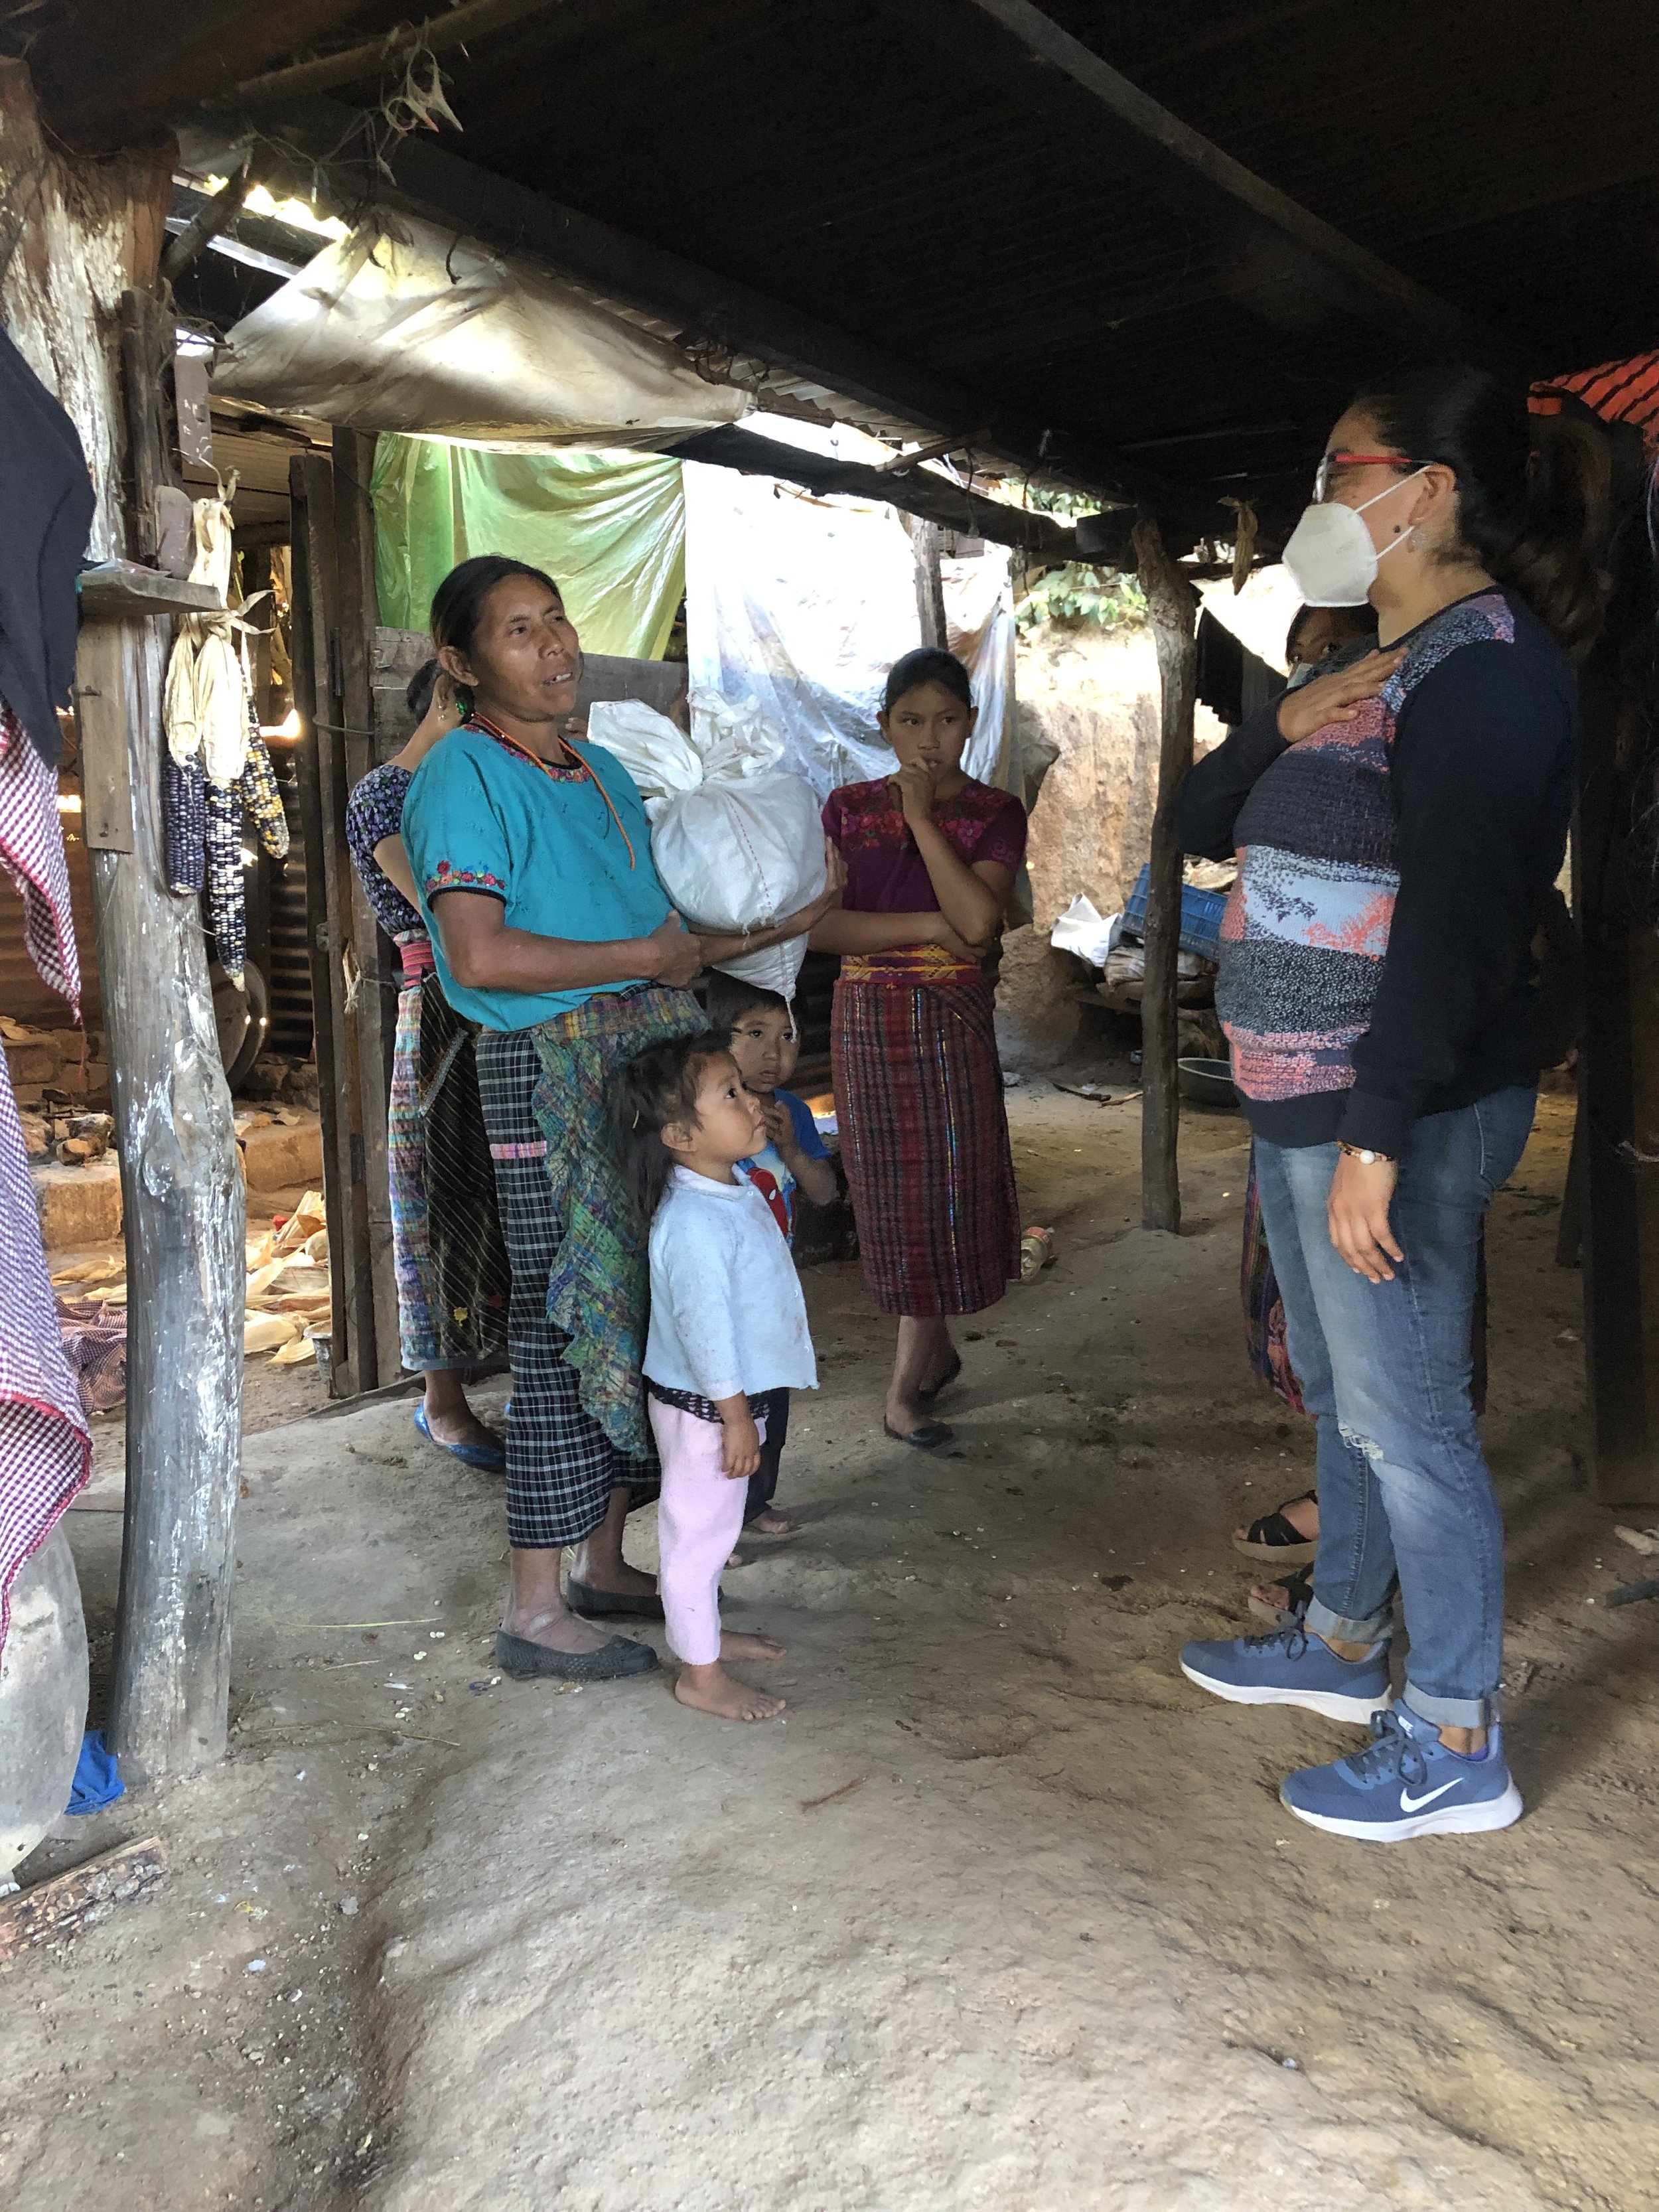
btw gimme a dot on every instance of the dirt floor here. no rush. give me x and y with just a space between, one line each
1003 1913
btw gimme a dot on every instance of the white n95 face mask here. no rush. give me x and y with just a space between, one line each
1330 555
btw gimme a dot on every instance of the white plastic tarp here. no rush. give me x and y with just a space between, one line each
805 603
403 326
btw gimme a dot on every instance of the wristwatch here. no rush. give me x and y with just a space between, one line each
1366 1159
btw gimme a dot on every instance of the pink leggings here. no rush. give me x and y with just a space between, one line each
698 1520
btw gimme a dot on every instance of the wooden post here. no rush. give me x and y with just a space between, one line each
1617 1106
1172 608
357 618
930 585
185 1220
320 761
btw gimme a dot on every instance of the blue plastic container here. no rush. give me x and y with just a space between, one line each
1201 916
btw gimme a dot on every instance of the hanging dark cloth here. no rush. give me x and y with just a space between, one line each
49 510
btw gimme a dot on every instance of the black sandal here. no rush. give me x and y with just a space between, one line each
1278 1542
1299 1589
943 1383
928 1438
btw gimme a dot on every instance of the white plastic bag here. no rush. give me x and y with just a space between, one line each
736 839
1081 930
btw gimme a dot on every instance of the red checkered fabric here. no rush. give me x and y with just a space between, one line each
45 1453
32 854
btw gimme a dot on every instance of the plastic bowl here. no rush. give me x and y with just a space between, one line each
1206 1082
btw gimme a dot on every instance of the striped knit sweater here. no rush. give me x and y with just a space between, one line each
1375 962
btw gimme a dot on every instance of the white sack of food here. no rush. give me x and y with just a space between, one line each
736 838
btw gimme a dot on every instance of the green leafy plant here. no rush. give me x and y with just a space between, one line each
1080 593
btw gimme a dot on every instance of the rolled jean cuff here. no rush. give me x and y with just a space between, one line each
1323 1622
1451 1712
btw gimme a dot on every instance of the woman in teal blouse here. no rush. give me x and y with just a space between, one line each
532 854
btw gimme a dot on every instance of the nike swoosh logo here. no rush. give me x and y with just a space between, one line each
1410 1804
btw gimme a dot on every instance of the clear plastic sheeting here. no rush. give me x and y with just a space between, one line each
401 325
608 527
805 602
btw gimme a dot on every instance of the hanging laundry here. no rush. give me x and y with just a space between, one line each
49 513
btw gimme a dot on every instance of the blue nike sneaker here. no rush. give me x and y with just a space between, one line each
1291 1668
1407 1784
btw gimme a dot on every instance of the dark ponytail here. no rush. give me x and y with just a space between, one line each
1532 490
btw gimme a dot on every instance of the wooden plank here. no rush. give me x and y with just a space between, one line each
1030 60
184 1219
473 18
320 766
932 498
357 616
930 585
53 1910
100 722
1172 607
116 590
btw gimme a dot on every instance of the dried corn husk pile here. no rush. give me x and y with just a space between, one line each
287 1297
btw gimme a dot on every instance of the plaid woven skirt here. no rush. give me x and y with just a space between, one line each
561 1466
924 1137
447 1253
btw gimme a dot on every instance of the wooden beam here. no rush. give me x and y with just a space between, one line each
184 1219
1028 59
52 1910
357 618
1172 609
514 219
931 498
930 585
320 762
372 56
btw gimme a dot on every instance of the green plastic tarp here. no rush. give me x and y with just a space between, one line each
609 527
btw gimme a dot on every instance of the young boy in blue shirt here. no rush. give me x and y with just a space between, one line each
766 1045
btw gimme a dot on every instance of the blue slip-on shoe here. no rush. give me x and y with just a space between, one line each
492 1458
1291 1668
1407 1784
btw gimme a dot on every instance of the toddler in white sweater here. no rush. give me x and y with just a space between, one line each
728 1324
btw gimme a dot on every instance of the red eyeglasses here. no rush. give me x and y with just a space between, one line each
1329 461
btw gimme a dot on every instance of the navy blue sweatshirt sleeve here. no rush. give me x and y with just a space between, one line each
1216 788
1482 785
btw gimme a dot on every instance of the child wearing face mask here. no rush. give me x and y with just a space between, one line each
728 1327
792 1159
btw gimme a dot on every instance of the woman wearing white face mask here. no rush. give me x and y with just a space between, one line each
1398 827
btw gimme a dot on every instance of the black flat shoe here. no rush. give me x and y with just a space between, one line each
928 1438
944 1382
612 1604
526 1661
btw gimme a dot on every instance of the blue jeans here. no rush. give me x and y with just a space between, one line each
1405 1499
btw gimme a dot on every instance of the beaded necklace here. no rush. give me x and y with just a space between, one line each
580 771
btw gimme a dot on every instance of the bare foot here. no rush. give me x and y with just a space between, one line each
769 1523
736 1646
559 1631
712 1690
